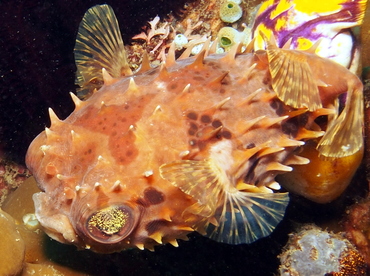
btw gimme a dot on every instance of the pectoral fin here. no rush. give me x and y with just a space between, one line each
200 179
246 217
99 45
233 216
292 78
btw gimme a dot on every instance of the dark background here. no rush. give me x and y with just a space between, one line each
37 63
37 71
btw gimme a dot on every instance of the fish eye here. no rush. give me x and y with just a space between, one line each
111 224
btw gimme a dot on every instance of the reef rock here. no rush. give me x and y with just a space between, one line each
12 246
313 252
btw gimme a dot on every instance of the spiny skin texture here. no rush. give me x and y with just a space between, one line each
166 122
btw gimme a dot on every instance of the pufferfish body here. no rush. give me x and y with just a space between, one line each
192 145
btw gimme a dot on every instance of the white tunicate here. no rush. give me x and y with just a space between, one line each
30 221
196 49
337 48
220 50
180 41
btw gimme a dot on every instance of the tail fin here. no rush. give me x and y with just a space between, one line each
344 135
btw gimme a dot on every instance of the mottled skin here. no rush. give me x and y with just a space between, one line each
163 120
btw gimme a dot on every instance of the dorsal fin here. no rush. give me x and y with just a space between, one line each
99 45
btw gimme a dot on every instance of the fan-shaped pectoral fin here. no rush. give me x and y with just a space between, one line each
200 179
246 217
292 78
99 45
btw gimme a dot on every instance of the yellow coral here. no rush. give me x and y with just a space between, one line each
228 36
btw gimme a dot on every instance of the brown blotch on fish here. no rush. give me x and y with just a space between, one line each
226 134
192 116
216 123
199 78
193 126
153 196
173 86
206 119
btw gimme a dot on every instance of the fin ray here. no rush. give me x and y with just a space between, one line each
241 217
344 135
247 217
198 179
99 45
292 78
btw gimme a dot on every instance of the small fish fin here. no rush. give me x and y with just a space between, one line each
344 136
202 180
99 45
246 217
292 78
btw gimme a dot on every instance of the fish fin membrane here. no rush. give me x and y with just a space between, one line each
198 179
292 78
99 45
241 217
247 217
344 135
